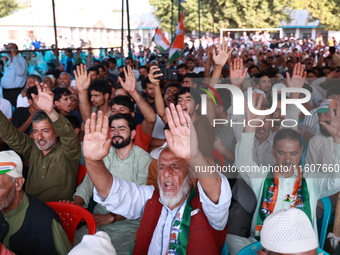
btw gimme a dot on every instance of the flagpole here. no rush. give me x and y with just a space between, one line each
122 34
179 9
199 19
129 31
172 18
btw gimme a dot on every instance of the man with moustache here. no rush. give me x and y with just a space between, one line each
129 163
21 213
53 151
323 141
175 219
271 185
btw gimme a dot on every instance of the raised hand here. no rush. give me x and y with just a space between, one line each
96 144
45 98
82 78
178 138
130 80
237 73
250 116
334 127
223 55
153 77
298 78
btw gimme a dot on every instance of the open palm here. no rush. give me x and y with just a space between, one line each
96 144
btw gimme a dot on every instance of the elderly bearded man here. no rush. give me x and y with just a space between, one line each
175 219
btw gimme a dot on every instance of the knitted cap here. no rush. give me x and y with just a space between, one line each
288 231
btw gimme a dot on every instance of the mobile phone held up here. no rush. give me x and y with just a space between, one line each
168 74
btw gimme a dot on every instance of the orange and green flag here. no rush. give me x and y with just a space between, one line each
176 49
160 40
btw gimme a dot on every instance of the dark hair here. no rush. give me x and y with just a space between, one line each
112 60
39 116
191 75
145 81
331 49
287 133
31 90
59 92
182 66
129 58
271 71
126 116
172 84
252 67
124 101
36 77
257 76
75 122
144 67
249 59
93 68
311 71
190 59
100 86
194 94
225 97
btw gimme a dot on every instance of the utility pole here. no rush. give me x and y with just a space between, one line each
122 34
56 52
128 23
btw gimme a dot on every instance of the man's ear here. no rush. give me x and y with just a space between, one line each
133 134
107 96
19 182
77 131
197 107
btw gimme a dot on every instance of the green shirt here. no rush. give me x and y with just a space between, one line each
15 219
133 168
51 177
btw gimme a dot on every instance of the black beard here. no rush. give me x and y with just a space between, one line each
122 144
323 131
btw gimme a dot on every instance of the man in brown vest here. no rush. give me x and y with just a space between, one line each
174 218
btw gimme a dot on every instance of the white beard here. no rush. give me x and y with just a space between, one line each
171 199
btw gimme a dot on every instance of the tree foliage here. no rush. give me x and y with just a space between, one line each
217 14
326 11
7 7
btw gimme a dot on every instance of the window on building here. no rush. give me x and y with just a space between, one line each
306 35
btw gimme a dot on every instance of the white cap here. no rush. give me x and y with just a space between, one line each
99 244
155 153
288 231
10 164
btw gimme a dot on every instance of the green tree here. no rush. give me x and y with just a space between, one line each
326 11
7 7
217 14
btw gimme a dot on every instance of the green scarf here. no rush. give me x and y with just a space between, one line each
269 198
179 236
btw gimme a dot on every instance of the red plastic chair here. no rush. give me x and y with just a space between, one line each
70 215
81 174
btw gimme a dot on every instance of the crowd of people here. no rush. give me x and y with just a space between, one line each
151 135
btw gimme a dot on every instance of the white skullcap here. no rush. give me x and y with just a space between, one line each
99 244
288 231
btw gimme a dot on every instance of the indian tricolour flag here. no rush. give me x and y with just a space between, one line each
160 40
176 48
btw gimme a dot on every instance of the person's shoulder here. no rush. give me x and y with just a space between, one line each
138 150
